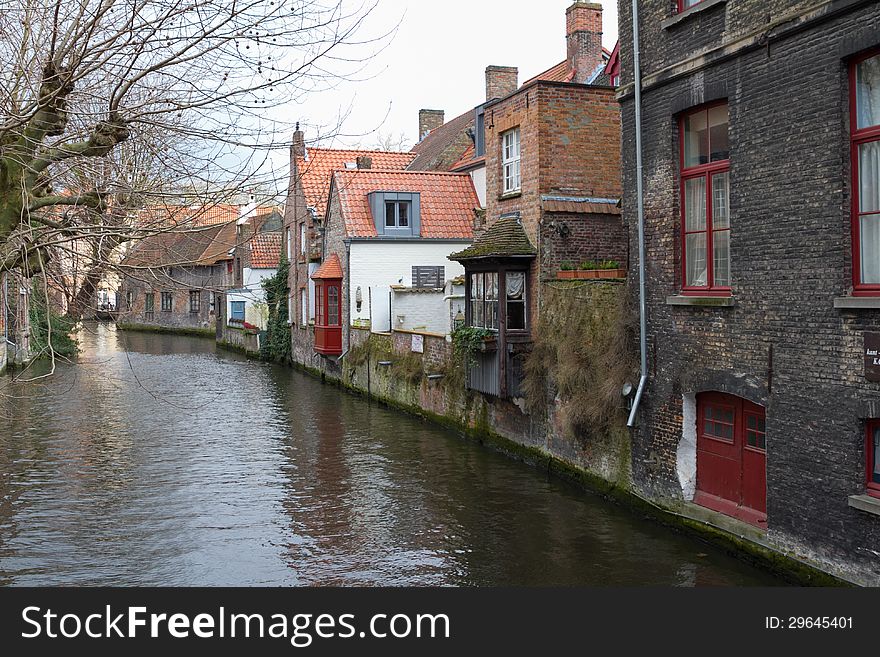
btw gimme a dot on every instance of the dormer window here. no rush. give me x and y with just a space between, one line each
396 214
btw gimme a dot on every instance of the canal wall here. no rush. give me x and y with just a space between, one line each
571 417
239 339
571 409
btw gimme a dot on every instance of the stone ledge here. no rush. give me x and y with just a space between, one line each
857 303
705 302
687 13
865 503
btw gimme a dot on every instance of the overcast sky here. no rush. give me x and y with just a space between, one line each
437 60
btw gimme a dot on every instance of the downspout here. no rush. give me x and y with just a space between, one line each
643 321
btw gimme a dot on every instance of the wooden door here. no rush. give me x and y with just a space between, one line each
731 457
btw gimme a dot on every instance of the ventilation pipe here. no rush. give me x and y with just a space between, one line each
643 321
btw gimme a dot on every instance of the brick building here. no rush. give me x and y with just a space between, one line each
311 170
553 182
387 228
760 132
175 280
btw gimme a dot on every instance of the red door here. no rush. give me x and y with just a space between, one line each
732 457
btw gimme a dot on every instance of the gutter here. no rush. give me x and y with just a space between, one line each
643 321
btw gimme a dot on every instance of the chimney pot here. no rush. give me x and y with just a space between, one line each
364 162
501 81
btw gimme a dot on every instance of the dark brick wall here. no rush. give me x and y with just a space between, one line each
783 344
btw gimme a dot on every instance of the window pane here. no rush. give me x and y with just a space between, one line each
695 204
491 315
690 3
718 139
876 473
516 315
389 214
721 201
333 306
492 286
869 248
516 281
869 177
403 214
868 92
721 258
695 257
696 139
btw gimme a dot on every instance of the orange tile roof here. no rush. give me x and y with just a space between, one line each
266 250
196 215
332 268
468 161
315 172
448 200
558 73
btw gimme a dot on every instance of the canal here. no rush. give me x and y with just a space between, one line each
160 460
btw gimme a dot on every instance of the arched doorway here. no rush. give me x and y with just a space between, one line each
732 457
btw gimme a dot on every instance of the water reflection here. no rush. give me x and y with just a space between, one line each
160 461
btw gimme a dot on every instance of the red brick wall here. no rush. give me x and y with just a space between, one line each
586 237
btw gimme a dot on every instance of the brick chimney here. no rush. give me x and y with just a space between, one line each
364 162
429 120
501 81
298 147
583 21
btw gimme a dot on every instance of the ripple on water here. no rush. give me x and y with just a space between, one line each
158 460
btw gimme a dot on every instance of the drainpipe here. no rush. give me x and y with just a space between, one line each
643 321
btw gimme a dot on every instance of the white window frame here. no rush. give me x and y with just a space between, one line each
511 154
289 245
302 239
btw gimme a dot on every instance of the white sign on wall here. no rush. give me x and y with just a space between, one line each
418 344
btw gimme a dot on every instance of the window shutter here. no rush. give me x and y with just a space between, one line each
428 276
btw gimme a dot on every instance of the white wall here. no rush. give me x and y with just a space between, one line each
432 312
479 178
376 266
686 456
253 295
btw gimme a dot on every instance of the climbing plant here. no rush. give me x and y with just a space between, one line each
276 345
466 341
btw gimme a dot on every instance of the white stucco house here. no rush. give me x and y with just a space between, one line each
392 231
256 258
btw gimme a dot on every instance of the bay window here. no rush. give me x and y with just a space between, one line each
484 300
510 161
705 200
485 294
865 142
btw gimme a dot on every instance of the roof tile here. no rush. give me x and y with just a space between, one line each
316 170
448 200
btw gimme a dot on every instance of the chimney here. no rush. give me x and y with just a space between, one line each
364 162
501 81
429 120
583 21
298 148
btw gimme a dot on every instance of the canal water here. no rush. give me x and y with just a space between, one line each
159 460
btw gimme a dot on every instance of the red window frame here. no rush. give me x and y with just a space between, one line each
706 171
872 486
859 137
682 8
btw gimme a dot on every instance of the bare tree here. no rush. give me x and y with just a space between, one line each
106 104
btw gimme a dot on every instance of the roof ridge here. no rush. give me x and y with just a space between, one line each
409 171
357 150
